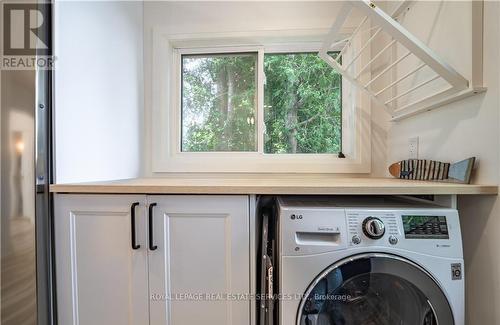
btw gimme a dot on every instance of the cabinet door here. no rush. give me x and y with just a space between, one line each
101 280
202 255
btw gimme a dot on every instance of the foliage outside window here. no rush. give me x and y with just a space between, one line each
218 102
302 104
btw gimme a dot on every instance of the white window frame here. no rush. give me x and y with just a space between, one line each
167 156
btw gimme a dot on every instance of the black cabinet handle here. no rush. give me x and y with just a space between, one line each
152 246
132 220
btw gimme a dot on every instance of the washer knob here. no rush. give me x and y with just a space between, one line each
373 228
356 240
393 240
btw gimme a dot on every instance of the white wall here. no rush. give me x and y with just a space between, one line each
460 130
98 90
466 128
211 16
481 222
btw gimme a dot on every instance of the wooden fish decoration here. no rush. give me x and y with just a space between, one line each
431 170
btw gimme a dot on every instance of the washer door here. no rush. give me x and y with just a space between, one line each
374 289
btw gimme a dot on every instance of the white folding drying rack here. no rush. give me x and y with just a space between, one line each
378 22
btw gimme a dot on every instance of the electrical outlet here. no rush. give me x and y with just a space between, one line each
413 148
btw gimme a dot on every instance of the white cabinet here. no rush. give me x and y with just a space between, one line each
101 280
199 253
202 255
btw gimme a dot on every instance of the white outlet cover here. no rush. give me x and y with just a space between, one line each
413 148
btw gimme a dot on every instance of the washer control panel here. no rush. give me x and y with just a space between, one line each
433 231
372 226
310 225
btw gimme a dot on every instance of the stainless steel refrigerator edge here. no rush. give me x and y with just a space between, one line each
27 286
44 157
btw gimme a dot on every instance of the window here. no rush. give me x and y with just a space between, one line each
303 104
219 102
254 108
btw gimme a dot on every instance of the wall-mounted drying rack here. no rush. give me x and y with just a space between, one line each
442 84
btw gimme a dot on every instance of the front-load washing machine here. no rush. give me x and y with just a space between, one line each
369 261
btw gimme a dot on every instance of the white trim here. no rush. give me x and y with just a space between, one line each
261 127
167 157
477 44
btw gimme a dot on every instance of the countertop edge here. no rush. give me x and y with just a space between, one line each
400 189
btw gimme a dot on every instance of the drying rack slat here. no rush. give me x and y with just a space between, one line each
351 69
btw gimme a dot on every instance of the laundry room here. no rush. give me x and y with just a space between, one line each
250 162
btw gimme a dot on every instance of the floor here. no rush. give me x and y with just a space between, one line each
18 286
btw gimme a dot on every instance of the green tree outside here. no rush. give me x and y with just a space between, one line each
302 110
218 102
303 104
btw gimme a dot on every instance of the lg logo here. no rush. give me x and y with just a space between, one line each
296 217
22 23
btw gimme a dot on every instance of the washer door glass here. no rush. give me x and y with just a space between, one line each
375 289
